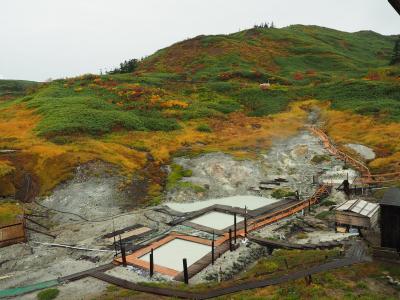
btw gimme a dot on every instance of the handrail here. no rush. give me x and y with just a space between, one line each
366 176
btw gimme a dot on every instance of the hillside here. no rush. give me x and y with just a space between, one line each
10 89
141 157
265 52
202 95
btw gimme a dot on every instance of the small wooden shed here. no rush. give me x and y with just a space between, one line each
357 213
390 219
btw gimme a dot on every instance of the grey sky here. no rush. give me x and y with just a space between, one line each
57 38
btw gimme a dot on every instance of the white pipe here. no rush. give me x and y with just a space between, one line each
72 247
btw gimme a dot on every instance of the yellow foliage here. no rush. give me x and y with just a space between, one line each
53 163
8 213
231 135
383 138
5 168
174 103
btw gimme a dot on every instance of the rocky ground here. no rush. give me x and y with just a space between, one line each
85 208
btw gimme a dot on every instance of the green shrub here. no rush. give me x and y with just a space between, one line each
317 159
60 140
176 174
282 193
324 215
261 103
327 202
48 294
204 128
301 236
66 112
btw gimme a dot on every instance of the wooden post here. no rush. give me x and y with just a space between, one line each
230 239
115 247
234 226
212 249
309 205
123 254
286 264
185 271
245 226
151 263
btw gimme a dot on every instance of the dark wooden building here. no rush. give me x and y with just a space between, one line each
390 219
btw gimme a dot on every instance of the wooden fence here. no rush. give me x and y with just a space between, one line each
12 234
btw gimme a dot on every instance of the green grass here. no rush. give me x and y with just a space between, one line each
204 128
48 294
218 75
317 159
66 111
381 98
324 215
174 180
177 174
261 103
282 193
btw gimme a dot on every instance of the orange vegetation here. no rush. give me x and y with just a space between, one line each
8 213
51 163
384 138
233 135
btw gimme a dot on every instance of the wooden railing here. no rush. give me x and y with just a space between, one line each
366 176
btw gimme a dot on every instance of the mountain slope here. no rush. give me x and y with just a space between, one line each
203 95
281 52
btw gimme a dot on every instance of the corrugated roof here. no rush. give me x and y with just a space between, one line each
359 206
391 197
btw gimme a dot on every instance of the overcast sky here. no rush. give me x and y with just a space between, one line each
41 39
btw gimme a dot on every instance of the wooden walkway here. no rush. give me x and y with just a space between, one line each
366 176
86 273
276 244
288 209
226 290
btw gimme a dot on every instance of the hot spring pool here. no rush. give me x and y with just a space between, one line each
171 254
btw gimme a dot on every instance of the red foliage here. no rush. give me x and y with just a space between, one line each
298 76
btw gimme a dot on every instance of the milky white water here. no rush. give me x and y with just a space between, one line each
252 202
171 254
216 220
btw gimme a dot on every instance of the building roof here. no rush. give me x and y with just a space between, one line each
359 206
391 197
